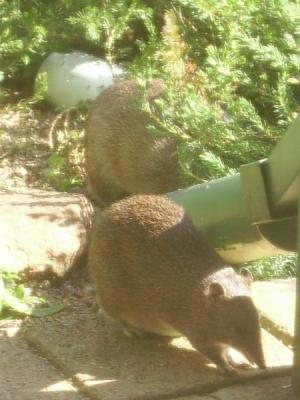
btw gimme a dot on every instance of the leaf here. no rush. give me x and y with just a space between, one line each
22 308
20 292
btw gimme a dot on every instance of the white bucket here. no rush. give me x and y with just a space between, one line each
74 77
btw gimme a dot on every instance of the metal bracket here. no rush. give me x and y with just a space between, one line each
255 192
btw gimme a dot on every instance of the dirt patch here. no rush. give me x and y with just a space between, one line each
24 146
28 139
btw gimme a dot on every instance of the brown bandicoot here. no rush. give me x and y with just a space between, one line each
154 271
122 157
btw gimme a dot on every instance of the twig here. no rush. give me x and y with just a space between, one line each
52 136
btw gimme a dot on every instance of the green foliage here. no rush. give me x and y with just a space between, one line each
282 266
18 291
231 67
41 86
17 298
239 85
106 26
30 29
65 168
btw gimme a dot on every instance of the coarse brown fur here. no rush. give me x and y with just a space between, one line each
122 157
154 271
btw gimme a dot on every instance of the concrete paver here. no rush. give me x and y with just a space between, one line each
276 353
25 375
195 398
110 366
270 389
276 300
107 365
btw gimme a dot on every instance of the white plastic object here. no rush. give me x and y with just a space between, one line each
74 77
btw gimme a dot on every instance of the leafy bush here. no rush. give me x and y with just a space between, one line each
232 71
281 266
231 67
65 168
30 29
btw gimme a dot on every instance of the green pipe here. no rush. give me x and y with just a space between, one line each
252 214
220 208
282 172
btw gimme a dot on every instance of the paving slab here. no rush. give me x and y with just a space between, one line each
25 375
196 397
276 301
270 389
108 365
276 353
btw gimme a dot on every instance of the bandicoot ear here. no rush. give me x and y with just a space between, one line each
216 290
245 273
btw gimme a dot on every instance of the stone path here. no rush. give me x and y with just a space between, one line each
26 375
270 389
276 300
79 349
